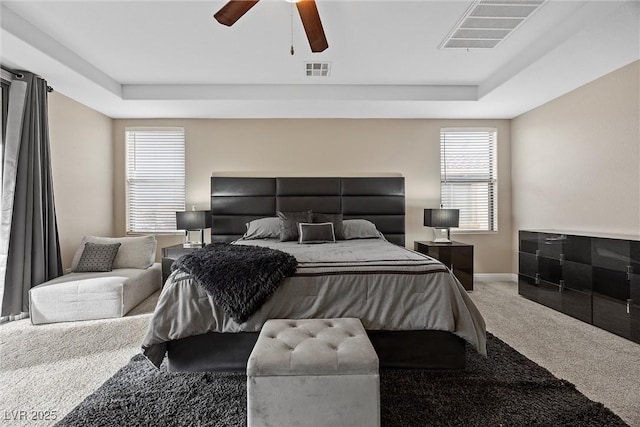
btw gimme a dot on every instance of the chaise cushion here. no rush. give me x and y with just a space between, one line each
134 252
87 296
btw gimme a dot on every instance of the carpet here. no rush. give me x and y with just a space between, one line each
504 389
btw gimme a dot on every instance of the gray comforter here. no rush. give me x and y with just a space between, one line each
386 286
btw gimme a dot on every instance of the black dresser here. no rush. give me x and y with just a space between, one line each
592 277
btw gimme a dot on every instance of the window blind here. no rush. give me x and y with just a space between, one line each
155 179
468 176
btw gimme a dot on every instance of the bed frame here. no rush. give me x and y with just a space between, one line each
238 200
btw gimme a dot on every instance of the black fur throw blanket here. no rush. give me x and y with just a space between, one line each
239 278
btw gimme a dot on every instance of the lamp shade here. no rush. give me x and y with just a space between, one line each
441 218
193 220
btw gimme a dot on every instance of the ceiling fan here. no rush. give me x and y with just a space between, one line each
234 9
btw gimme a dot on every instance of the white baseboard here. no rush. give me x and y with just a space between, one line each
496 277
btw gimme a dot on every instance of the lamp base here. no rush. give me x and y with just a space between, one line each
193 244
441 235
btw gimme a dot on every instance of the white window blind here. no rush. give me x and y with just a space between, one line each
468 176
155 179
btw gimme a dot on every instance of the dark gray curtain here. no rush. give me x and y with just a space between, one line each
30 250
5 109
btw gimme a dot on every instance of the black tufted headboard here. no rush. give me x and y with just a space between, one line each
238 200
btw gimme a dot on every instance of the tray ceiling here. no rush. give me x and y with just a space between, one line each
171 59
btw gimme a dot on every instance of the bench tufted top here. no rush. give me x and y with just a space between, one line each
312 347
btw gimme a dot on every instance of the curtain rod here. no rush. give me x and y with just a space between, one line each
18 75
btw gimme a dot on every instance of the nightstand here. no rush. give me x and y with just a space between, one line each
455 255
170 254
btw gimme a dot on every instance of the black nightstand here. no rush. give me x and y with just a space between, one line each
170 254
455 255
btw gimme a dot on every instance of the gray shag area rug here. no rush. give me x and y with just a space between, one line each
504 389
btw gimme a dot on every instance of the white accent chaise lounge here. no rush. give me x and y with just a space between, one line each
99 295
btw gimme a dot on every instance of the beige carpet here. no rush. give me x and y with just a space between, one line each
603 366
53 367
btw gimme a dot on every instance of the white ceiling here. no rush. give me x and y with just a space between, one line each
172 59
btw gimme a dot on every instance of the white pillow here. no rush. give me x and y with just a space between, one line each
134 252
263 228
360 229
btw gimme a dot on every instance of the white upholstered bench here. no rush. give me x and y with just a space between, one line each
313 372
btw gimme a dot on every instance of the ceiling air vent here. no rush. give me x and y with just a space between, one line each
487 22
317 69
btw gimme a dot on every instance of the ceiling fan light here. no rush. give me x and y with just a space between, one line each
235 9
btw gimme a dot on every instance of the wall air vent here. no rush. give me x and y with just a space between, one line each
317 69
487 22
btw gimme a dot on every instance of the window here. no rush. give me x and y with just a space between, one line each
155 179
468 176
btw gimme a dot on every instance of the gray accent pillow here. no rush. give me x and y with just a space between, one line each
97 257
263 228
360 229
316 232
335 219
289 224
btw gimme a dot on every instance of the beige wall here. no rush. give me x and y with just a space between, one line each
576 160
331 147
572 162
82 165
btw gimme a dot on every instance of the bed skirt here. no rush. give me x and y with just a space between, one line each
216 351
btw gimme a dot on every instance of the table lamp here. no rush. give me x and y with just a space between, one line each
193 221
442 220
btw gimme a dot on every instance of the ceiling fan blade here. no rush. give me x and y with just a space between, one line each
233 10
312 25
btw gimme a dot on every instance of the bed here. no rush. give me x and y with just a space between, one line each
415 311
